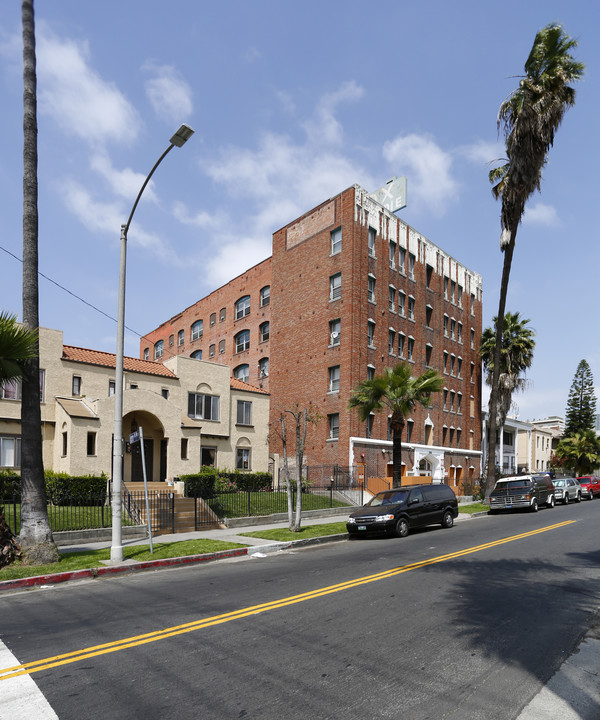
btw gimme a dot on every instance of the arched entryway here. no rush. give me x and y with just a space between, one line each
155 448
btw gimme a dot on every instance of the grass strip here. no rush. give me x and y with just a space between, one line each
310 531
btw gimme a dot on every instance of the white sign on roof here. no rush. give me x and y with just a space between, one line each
392 195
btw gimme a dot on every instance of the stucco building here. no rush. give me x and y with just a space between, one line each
191 412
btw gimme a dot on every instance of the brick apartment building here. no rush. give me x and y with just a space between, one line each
352 289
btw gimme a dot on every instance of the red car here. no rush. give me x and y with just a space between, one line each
590 486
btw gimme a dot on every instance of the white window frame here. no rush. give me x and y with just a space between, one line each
196 330
336 241
335 286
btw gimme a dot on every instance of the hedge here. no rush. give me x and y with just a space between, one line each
210 481
61 488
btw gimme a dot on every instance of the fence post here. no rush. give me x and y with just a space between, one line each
195 513
248 497
172 513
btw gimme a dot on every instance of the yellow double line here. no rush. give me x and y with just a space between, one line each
96 650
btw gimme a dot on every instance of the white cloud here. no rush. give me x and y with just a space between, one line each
232 256
76 97
252 54
432 186
482 152
169 93
324 128
125 183
202 219
541 214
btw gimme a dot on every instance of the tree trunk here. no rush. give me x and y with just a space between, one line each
36 537
493 403
397 454
286 472
301 424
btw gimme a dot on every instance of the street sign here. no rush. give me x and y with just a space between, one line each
392 195
134 437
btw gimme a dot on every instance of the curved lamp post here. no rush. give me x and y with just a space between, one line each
116 550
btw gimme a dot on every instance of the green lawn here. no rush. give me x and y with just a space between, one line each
310 531
474 508
266 503
67 517
93 558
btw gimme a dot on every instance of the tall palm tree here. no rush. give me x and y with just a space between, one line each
398 392
581 452
516 356
17 344
35 537
529 117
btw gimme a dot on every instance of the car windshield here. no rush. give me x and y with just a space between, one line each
559 483
388 498
509 484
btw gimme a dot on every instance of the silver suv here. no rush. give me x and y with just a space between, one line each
567 489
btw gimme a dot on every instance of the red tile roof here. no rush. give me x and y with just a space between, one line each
239 385
96 357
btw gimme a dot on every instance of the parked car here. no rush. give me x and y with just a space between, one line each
567 489
590 486
399 510
522 491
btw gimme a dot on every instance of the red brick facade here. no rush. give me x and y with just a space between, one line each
358 277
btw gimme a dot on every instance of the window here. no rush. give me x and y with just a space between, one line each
171 340
428 354
10 390
372 234
370 372
411 266
391 341
452 396
211 350
452 328
184 448
446 320
264 332
197 330
336 241
445 362
133 386
445 399
334 378
146 353
242 372
428 315
459 332
458 366
244 412
265 295
180 338
371 289
222 314
213 319
472 339
459 291
428 275
242 341
76 386
409 430
203 407
459 403
444 434
196 355
208 456
472 304
111 388
263 367
370 333
334 331
91 443
452 291
221 347
334 426
401 340
335 286
242 460
411 307
369 427
411 348
472 372
401 303
452 362
242 307
10 451
159 349
392 298
446 282
392 254
402 260
65 444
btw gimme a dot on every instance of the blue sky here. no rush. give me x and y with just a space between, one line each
291 103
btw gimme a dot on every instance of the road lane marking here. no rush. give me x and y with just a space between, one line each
125 643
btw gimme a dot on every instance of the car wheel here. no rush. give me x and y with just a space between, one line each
550 502
578 498
447 519
402 528
534 505
566 499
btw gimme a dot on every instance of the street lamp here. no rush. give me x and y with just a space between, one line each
116 550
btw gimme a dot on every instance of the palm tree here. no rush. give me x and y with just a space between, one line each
399 392
530 117
35 537
580 451
516 355
17 344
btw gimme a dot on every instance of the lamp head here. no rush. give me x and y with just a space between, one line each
184 133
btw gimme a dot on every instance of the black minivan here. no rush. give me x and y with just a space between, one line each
398 510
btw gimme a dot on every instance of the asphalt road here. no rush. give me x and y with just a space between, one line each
462 623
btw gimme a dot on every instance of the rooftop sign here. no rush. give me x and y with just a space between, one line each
392 195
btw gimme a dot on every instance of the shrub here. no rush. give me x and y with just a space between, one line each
210 481
64 489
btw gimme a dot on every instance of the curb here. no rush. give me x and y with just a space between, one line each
128 567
